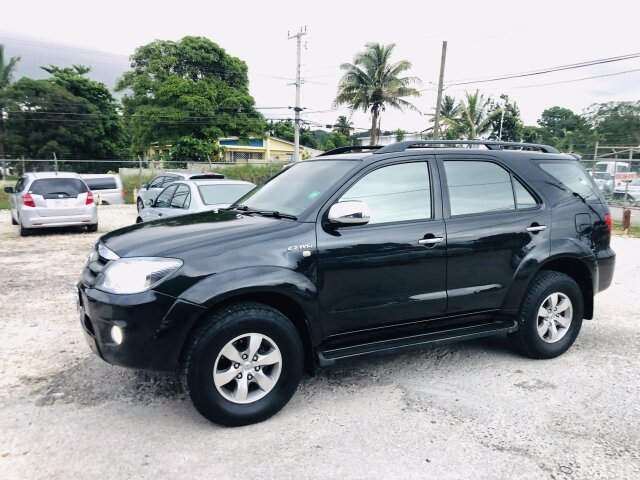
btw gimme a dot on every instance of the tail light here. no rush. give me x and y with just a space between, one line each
607 220
27 199
89 198
122 192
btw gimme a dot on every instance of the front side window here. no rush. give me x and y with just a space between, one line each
395 193
156 182
164 199
181 196
484 187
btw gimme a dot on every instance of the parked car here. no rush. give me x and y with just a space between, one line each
604 181
192 196
359 251
151 190
51 199
631 189
108 185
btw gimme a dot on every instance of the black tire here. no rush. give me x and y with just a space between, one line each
139 204
13 221
92 228
213 335
25 232
526 339
138 220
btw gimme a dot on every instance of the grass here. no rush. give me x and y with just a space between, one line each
634 230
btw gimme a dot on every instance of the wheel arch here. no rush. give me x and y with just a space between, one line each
578 270
288 306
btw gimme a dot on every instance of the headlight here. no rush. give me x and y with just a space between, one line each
137 274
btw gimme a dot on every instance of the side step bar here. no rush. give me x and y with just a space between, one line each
329 356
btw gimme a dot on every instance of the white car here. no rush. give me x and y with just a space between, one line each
192 196
632 189
51 199
108 185
151 190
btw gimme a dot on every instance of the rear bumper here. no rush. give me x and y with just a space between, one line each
154 327
606 265
31 219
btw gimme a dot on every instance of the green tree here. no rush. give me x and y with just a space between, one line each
343 126
190 88
562 128
476 115
6 68
66 114
512 126
615 123
400 135
371 83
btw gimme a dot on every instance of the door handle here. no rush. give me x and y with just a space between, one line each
536 228
430 241
159 214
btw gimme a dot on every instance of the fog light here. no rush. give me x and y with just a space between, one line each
116 334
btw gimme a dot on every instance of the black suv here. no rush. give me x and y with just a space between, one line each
358 251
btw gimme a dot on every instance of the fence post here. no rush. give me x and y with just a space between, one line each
626 221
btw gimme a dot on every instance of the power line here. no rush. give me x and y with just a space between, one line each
581 79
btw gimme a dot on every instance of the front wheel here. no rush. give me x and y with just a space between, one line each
92 228
139 204
243 364
551 316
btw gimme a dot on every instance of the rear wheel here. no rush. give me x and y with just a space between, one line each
13 221
25 232
92 228
551 316
243 364
139 204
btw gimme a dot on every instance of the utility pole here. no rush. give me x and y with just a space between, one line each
297 108
55 160
436 121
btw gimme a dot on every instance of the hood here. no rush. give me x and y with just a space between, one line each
184 235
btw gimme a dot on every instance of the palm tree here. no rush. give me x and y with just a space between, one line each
475 115
372 82
6 69
343 126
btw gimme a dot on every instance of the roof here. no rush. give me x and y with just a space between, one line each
214 181
40 175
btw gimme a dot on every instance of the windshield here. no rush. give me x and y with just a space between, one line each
298 187
223 194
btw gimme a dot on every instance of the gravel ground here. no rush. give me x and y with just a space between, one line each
468 410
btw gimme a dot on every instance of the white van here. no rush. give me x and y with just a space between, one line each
108 185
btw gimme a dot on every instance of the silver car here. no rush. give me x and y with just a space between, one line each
631 190
151 190
51 199
192 196
106 187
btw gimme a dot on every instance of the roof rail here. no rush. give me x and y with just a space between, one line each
352 148
490 144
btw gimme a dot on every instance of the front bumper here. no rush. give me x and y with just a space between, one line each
154 327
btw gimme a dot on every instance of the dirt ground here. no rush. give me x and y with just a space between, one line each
469 410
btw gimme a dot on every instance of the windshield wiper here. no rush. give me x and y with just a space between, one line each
264 213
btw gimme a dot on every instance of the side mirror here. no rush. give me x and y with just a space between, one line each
353 212
148 202
9 189
144 186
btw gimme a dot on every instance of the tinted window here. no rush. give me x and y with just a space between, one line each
298 187
523 198
168 180
55 187
573 177
101 183
164 198
20 184
217 194
478 187
179 199
156 182
395 193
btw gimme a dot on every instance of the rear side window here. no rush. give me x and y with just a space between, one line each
222 194
572 177
58 187
395 193
101 183
484 187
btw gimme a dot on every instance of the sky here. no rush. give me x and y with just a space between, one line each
485 40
